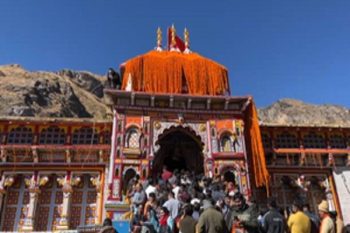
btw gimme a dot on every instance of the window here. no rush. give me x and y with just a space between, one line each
266 140
225 143
132 138
85 136
313 140
337 141
52 135
286 140
20 135
106 137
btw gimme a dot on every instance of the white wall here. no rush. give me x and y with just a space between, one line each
342 183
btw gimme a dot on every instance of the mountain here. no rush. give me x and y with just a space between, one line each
65 93
79 94
298 113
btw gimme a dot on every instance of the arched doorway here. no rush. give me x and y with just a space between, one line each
180 149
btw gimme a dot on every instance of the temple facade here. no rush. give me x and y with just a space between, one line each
173 109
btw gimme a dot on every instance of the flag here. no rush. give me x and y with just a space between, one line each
179 43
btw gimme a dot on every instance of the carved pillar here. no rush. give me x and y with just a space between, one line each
3 155
33 183
96 181
6 181
66 182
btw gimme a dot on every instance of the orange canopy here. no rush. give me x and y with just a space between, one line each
170 72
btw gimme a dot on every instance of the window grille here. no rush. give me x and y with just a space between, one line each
337 141
52 135
286 140
85 136
20 135
313 140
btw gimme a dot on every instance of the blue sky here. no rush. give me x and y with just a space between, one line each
273 48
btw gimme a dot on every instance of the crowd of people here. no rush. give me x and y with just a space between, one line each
182 202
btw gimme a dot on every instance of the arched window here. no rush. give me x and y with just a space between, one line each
132 138
337 141
225 143
20 135
286 140
52 135
85 135
313 140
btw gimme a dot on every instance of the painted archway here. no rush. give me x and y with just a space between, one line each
179 149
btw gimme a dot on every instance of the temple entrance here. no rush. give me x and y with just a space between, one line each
179 150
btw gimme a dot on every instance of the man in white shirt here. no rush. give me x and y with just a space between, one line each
172 205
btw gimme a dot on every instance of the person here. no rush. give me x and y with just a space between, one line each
151 225
315 221
166 174
137 220
187 223
150 188
339 224
273 221
150 204
327 224
211 220
138 197
166 222
172 205
298 222
108 227
241 216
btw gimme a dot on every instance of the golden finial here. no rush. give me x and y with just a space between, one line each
159 38
187 38
173 33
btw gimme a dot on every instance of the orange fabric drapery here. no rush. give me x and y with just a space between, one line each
256 149
166 72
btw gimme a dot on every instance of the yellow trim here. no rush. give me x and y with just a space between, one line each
308 132
11 127
42 127
102 197
281 131
27 169
96 128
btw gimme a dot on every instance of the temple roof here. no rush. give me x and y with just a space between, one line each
176 73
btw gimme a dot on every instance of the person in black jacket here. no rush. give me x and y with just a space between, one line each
273 221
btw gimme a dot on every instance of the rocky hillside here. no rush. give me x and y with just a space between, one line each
295 112
68 93
65 93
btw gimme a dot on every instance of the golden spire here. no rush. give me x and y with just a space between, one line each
173 33
187 38
159 38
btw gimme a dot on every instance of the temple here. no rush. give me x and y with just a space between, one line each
174 108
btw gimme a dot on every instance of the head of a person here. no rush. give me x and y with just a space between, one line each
152 197
306 207
297 206
107 222
238 200
206 203
188 210
171 195
164 211
323 208
272 203
138 187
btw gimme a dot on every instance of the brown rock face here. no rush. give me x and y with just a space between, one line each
68 93
47 94
295 112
